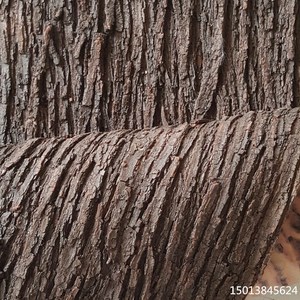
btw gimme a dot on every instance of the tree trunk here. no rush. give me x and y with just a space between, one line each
140 209
166 213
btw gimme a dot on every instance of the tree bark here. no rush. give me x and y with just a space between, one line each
131 211
179 212
70 67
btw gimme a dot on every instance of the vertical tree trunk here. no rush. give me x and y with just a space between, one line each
71 67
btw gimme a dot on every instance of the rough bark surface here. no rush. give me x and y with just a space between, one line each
70 67
166 213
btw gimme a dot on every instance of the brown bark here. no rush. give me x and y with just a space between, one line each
165 213
70 67
173 212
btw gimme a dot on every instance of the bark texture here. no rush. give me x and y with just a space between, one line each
70 67
179 212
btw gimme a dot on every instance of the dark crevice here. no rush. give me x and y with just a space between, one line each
158 105
167 41
74 14
71 120
141 278
101 16
70 98
128 97
276 16
54 261
12 73
296 81
106 102
102 75
130 37
125 284
250 49
56 124
42 115
82 59
195 53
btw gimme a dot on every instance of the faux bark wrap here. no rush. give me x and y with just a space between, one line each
164 213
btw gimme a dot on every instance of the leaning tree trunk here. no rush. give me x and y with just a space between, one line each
167 213
180 212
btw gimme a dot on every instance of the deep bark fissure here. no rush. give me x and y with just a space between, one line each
296 81
10 104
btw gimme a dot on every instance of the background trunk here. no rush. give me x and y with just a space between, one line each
166 213
71 67
182 212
